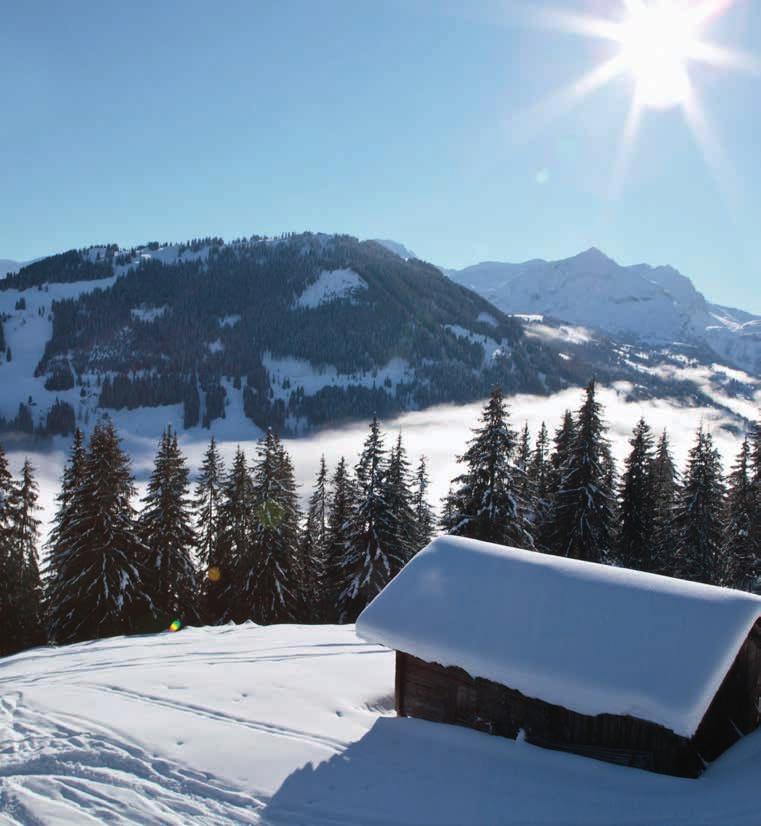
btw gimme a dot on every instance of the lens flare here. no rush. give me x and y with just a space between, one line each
214 574
175 625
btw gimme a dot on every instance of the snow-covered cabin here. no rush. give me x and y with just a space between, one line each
619 665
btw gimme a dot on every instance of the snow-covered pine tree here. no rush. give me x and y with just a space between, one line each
563 442
755 472
100 584
582 521
400 533
486 503
563 439
665 484
25 582
166 530
234 544
635 537
540 478
522 464
338 539
742 548
61 539
313 547
267 578
425 518
207 502
7 556
369 563
699 517
20 587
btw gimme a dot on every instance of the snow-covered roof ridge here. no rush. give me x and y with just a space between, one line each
592 638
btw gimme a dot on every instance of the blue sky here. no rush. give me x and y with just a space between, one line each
403 119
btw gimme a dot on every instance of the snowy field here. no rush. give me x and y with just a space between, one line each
294 725
441 433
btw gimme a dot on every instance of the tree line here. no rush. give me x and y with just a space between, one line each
564 496
233 544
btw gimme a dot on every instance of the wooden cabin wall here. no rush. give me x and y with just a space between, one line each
450 695
735 710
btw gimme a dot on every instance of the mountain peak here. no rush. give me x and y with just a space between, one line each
593 258
394 246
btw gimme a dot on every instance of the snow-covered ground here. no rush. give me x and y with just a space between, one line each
294 725
331 285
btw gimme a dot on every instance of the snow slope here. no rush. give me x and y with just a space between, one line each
654 304
293 725
454 601
27 331
331 285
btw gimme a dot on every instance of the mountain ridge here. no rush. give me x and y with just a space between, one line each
660 304
294 332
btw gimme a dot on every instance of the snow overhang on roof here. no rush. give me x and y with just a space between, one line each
591 638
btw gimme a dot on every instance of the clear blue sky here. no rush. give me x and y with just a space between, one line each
401 119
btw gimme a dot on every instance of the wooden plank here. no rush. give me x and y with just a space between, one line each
450 695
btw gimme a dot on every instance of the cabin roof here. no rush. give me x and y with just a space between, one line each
592 638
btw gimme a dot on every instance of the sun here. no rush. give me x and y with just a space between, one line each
657 43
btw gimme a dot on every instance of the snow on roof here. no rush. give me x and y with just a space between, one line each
591 638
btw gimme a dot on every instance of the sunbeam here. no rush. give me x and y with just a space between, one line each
658 40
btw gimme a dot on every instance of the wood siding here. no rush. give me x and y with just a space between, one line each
450 695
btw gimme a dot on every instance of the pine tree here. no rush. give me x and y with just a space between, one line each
267 577
400 533
29 604
369 564
209 493
699 516
665 484
540 479
582 511
635 540
21 588
565 437
486 503
425 518
338 539
522 465
313 547
99 582
62 535
234 543
8 640
755 474
742 548
166 530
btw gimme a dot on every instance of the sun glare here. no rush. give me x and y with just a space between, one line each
657 42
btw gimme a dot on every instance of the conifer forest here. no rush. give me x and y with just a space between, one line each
232 544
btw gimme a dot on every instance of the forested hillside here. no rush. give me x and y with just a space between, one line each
306 329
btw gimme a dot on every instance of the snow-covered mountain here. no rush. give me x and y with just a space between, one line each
7 265
291 724
396 248
294 332
309 330
656 306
